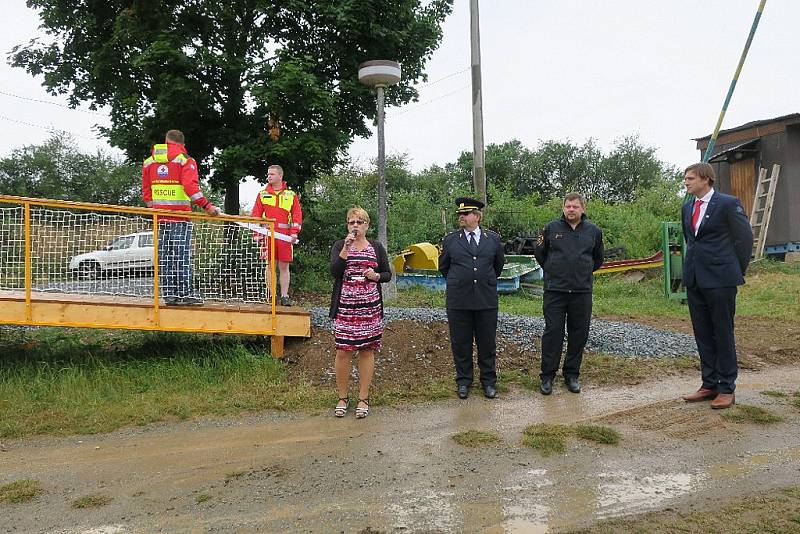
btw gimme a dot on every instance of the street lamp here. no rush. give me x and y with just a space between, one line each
378 74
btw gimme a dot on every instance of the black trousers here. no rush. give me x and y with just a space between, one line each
574 309
480 325
712 311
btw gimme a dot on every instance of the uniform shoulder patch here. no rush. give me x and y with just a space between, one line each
740 209
540 240
449 235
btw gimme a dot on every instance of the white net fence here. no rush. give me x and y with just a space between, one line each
74 251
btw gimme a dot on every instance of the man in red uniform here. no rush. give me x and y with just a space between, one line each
170 182
277 201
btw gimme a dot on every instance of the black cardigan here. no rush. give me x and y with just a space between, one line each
338 266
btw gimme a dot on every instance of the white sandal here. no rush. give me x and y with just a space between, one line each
361 413
340 411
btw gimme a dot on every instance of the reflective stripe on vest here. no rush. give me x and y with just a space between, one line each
160 153
284 200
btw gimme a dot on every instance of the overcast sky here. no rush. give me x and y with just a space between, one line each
569 69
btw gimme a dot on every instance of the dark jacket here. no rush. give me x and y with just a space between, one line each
569 257
471 278
338 266
719 255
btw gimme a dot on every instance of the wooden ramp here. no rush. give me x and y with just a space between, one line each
132 313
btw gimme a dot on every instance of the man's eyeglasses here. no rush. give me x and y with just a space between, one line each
351 223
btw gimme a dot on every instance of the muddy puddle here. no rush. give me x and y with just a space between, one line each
400 471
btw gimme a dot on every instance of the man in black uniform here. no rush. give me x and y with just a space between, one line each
569 250
472 258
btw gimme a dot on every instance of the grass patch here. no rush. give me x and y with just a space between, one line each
20 491
515 376
93 500
796 399
475 438
597 434
773 393
773 511
545 438
549 439
744 413
430 390
63 382
203 497
602 368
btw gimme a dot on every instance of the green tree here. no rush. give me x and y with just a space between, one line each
250 82
57 169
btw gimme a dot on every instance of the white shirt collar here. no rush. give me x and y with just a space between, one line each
707 197
477 232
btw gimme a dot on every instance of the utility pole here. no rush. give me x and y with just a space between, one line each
478 165
382 234
378 74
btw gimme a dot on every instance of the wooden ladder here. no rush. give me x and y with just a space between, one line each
762 208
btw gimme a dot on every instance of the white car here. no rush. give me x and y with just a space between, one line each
132 252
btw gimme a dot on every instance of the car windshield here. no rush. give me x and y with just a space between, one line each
121 242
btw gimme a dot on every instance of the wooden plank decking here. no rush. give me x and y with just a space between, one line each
138 313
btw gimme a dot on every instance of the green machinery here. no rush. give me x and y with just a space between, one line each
673 245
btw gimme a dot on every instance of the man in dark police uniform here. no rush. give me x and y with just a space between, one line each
569 250
472 258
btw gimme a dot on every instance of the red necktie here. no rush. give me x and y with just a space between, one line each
696 214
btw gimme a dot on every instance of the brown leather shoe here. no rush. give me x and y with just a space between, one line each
723 400
701 394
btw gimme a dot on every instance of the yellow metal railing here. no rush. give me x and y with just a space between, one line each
53 230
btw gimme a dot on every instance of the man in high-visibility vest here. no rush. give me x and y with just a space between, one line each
277 201
170 182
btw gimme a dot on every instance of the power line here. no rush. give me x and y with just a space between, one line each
443 78
48 128
426 102
50 102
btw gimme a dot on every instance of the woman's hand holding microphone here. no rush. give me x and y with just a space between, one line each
347 242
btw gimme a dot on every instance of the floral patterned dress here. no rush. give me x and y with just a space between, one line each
358 324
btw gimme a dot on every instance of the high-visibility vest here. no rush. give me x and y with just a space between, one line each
283 200
166 188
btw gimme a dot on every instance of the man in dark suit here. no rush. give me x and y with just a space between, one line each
471 260
719 242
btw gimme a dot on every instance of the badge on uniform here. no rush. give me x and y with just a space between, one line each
740 209
540 240
162 171
558 236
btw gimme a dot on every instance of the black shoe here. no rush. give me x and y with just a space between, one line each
170 301
286 301
463 392
572 384
547 386
490 392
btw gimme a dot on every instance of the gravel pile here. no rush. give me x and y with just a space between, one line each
626 339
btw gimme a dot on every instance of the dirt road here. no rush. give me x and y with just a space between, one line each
399 470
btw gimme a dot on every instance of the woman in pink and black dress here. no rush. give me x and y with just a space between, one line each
359 266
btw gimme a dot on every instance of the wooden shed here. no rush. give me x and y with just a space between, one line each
739 154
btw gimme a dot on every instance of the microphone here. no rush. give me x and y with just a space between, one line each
354 232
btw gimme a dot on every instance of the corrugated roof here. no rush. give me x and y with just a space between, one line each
794 117
725 151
